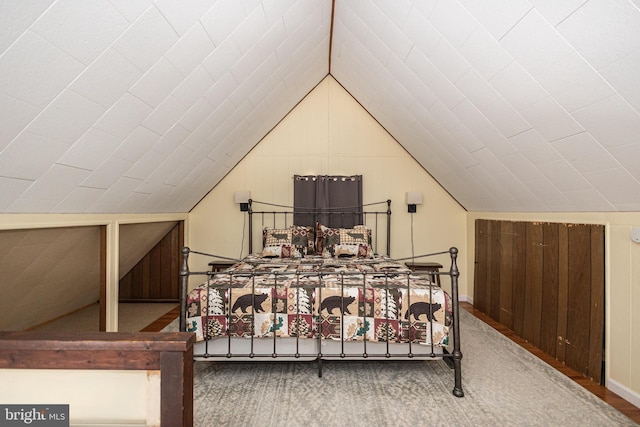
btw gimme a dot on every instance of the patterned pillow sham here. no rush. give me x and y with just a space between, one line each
276 236
295 241
304 238
280 251
336 242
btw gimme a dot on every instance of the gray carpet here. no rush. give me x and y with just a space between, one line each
504 385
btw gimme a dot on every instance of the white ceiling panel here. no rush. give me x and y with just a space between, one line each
147 39
196 114
223 17
67 118
163 117
534 147
549 195
56 183
138 142
190 50
448 61
627 156
43 152
90 150
517 86
611 121
453 21
585 153
574 83
106 174
603 31
551 120
131 9
496 141
620 187
477 90
193 86
504 117
485 53
445 90
182 15
106 79
222 58
157 83
539 52
250 30
83 29
143 105
498 16
623 76
564 177
589 200
471 117
378 24
419 30
14 116
556 11
124 116
16 20
35 71
79 200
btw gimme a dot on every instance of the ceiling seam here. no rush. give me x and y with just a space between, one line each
333 11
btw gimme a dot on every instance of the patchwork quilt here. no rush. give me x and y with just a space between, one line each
340 299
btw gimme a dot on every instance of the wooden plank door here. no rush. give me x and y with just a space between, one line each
545 281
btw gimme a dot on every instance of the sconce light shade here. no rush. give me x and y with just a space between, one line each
242 198
413 198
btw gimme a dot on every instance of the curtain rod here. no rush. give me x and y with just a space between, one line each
327 177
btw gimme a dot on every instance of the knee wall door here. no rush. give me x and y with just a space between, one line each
545 281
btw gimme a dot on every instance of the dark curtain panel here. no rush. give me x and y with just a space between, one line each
304 199
334 201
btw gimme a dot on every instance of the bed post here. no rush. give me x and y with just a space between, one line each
388 227
457 354
250 212
184 284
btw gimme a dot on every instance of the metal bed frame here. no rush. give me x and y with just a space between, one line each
300 348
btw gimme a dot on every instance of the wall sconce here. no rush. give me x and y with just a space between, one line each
413 198
242 198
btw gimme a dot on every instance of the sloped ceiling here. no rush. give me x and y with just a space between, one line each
144 106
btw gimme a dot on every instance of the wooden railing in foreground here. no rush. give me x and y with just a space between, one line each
169 352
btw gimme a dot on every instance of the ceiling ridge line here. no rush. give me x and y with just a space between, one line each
333 11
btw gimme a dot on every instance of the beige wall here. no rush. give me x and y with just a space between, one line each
95 397
622 289
330 133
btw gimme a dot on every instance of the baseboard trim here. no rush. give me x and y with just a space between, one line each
624 392
465 298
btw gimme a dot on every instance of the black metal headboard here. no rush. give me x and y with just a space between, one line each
284 218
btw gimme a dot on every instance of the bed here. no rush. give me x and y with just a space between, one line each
322 293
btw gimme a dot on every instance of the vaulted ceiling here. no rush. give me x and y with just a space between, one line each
144 106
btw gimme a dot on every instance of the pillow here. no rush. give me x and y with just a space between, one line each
303 237
337 242
295 241
352 251
276 236
279 251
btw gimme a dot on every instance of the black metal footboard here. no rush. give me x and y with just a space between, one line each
304 340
